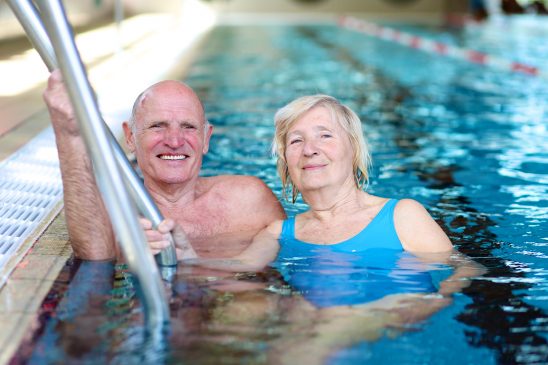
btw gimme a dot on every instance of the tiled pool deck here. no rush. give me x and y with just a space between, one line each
29 284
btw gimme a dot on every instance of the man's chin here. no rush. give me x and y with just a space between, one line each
175 180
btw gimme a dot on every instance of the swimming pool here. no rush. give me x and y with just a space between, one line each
466 141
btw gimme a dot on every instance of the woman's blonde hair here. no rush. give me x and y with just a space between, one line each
347 119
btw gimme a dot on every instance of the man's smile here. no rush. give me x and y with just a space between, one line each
172 157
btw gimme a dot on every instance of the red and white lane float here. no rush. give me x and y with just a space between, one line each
428 45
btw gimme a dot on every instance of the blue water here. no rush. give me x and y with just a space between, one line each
466 141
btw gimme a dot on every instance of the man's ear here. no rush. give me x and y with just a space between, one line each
130 138
207 137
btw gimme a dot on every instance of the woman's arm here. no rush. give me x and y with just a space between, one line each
262 250
423 237
464 270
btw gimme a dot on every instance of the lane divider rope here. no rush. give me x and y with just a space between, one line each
439 48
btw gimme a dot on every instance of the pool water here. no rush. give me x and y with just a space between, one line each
466 141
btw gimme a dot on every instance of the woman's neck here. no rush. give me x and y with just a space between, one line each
325 203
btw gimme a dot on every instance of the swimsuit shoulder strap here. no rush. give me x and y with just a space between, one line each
388 210
381 231
288 230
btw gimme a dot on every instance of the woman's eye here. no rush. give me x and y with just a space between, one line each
326 135
294 141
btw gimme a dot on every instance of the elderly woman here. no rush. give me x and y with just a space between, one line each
323 156
352 251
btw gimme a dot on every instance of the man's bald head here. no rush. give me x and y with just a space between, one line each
162 88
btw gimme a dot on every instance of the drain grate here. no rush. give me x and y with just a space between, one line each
30 188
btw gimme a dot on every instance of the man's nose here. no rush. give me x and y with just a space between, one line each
174 137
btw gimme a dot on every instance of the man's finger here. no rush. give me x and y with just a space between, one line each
158 245
166 225
145 223
153 236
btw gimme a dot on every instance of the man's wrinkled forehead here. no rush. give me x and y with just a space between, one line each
171 96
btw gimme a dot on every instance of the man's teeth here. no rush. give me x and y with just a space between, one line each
172 157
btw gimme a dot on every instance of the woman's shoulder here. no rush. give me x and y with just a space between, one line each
409 213
410 206
417 229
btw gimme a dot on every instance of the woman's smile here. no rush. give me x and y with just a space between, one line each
313 167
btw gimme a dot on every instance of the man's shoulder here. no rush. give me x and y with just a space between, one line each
234 184
247 197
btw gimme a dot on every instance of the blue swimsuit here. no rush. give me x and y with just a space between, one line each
361 269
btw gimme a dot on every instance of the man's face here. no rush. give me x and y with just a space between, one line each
169 138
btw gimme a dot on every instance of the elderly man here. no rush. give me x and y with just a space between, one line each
169 135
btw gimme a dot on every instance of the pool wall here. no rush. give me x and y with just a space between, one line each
89 13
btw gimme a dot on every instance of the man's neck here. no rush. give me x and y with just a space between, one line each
170 196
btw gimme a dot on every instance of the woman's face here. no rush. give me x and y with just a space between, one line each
318 152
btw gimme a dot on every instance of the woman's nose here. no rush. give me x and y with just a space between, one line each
310 148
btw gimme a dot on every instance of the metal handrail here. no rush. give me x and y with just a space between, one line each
29 18
122 211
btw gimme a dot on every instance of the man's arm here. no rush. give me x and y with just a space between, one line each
88 223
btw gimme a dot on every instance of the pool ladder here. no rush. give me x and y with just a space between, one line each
113 171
